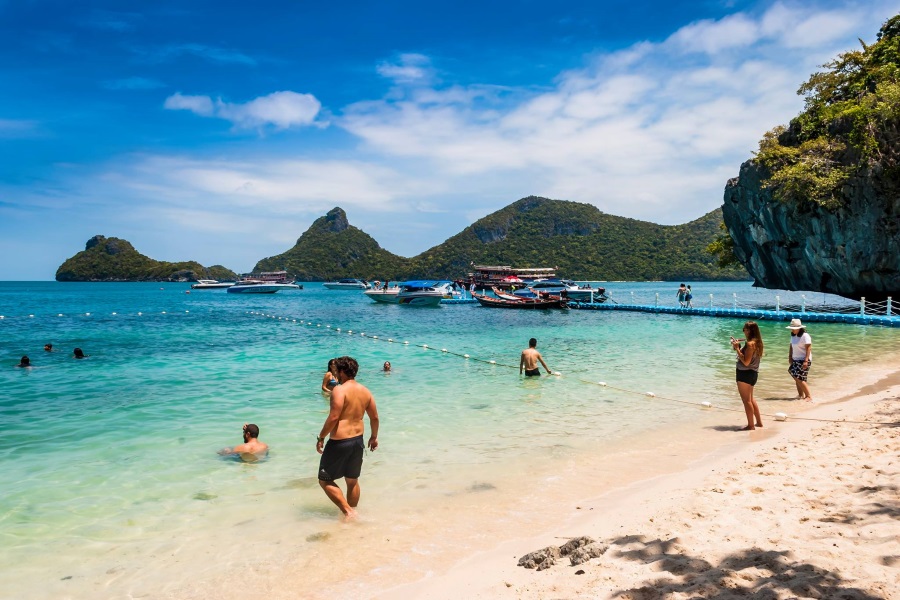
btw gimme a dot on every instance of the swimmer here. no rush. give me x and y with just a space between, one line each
387 366
329 381
25 363
529 360
48 347
79 353
252 449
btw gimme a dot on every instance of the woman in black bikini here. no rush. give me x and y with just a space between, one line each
747 371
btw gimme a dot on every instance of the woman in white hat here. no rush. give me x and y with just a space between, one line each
800 358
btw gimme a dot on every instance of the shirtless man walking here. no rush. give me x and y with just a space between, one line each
343 454
529 360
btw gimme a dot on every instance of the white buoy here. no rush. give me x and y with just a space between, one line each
85 314
651 394
139 314
781 416
443 349
391 339
328 327
425 346
493 362
319 325
59 315
602 383
2 317
406 343
30 316
114 314
557 373
187 311
337 329
374 337
363 334
465 356
349 331
163 312
706 404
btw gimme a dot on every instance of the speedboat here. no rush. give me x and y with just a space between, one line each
210 284
411 293
257 286
346 284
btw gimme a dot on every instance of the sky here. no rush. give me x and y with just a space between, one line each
218 131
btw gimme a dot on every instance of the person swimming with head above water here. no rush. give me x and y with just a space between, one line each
25 363
79 353
387 366
329 381
252 449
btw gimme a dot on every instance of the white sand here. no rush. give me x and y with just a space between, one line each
803 509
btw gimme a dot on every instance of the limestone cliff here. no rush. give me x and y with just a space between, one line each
852 251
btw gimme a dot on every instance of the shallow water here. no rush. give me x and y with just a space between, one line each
113 485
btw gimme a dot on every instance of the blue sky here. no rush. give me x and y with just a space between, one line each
219 131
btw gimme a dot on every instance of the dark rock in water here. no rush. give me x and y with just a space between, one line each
481 487
852 251
318 537
204 496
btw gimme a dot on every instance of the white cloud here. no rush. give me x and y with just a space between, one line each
408 69
201 105
281 109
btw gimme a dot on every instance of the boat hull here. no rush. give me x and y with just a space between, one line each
522 304
386 297
417 299
337 285
261 288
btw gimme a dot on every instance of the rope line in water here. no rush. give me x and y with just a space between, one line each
705 405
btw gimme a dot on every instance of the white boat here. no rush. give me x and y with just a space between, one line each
346 284
257 286
412 293
210 284
387 296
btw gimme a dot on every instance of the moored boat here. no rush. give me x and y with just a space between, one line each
411 293
505 277
210 284
346 284
258 286
523 303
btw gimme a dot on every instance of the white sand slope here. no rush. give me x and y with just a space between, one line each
813 513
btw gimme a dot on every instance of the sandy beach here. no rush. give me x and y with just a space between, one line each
806 509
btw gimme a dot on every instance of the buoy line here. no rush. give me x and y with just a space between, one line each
779 416
87 314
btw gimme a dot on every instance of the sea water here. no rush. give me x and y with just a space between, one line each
112 485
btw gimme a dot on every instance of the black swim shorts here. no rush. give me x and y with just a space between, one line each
746 376
342 458
532 372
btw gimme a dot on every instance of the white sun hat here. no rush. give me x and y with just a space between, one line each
795 324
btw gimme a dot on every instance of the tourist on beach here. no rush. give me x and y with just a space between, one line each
680 294
688 296
800 358
747 372
330 378
529 360
342 456
79 353
387 366
252 449
25 363
48 347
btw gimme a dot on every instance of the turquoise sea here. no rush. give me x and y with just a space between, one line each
113 488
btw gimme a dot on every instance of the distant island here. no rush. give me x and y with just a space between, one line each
582 242
114 259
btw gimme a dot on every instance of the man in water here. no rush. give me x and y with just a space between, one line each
48 347
387 365
252 449
342 456
529 360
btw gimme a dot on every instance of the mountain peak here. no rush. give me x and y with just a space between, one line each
335 220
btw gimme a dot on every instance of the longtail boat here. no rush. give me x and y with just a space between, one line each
523 303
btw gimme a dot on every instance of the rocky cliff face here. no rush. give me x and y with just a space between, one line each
852 251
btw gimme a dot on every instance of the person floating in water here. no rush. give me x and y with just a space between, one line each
329 381
387 366
529 360
79 353
48 347
25 363
342 456
252 449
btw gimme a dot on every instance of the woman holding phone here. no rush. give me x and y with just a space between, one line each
747 371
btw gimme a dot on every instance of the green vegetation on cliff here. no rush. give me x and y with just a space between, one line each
331 249
578 239
113 259
850 127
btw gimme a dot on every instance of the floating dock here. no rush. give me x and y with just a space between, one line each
758 314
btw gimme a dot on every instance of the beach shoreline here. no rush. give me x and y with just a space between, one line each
666 537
